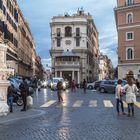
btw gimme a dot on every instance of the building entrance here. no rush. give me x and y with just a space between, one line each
67 75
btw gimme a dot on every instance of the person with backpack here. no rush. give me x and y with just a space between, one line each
59 91
24 93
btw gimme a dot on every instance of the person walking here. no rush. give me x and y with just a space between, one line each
24 93
59 91
73 86
84 85
118 96
131 91
10 97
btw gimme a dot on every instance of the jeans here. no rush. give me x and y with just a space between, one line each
118 102
10 103
131 108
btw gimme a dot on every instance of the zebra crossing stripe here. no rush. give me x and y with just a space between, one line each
49 103
107 103
93 103
125 104
137 104
78 103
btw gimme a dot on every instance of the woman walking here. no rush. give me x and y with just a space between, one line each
118 95
131 91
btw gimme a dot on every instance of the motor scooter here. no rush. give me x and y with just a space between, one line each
17 98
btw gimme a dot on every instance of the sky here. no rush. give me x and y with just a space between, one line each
38 14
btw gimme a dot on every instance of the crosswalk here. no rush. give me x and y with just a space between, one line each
91 104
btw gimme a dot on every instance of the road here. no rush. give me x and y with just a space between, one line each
90 116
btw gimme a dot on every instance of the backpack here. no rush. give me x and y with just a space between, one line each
59 85
24 87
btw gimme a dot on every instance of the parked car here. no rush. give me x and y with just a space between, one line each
90 85
54 82
109 86
97 84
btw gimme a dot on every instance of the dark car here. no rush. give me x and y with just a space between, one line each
97 85
109 86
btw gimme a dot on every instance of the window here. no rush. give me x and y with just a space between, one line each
129 2
58 42
58 31
68 31
129 18
77 41
77 31
129 36
129 54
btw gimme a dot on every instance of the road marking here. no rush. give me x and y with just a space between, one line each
107 103
93 103
78 103
125 104
137 104
49 103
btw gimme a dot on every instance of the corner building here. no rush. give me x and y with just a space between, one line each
75 49
127 15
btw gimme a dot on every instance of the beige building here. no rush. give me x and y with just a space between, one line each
16 34
75 49
105 68
127 15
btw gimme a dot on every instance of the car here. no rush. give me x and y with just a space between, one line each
90 85
109 86
54 82
97 84
44 83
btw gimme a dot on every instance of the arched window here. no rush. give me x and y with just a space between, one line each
130 18
129 54
68 31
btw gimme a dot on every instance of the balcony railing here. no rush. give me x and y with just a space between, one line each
67 63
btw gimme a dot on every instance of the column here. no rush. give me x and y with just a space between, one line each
60 73
72 75
78 77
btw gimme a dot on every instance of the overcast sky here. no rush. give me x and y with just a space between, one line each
38 14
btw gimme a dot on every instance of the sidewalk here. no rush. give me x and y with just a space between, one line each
17 114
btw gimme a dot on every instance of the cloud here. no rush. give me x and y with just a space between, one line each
39 14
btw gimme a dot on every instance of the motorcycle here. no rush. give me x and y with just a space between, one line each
17 98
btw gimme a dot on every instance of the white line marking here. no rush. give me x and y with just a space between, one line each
107 103
78 103
49 103
93 103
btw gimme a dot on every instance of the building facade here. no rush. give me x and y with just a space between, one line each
128 26
75 49
106 70
16 34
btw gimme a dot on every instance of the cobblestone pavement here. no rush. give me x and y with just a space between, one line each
70 122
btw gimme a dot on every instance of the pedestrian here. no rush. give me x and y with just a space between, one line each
59 91
73 86
118 96
24 93
84 85
10 97
131 91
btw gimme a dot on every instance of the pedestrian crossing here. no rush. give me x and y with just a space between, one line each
91 104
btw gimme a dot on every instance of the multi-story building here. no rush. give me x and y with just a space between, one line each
105 67
128 26
75 47
16 34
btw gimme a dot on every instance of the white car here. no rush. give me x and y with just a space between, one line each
54 82
90 85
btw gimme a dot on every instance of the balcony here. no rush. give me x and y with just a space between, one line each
65 64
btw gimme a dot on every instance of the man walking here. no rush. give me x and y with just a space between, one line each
59 91
24 92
